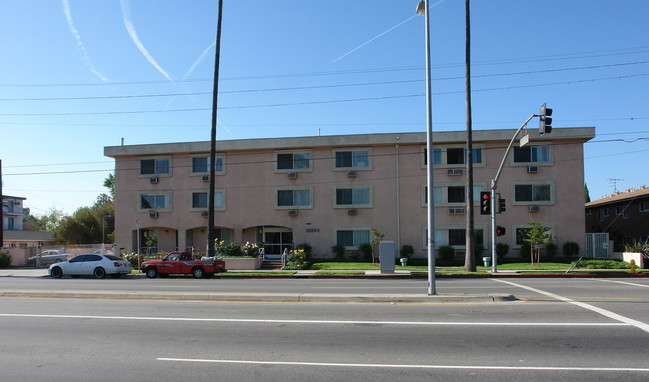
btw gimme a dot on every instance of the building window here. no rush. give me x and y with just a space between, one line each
352 237
521 235
291 198
155 202
456 194
644 206
453 156
451 194
356 196
532 154
199 200
159 166
622 210
200 164
293 161
357 159
455 237
533 192
603 213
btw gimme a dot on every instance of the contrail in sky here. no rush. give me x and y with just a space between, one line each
199 60
77 36
384 33
126 15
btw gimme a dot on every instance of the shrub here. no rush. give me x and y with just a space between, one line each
570 248
297 259
132 258
250 250
551 250
339 250
366 249
446 253
5 259
638 247
232 250
603 264
501 251
407 251
306 247
526 250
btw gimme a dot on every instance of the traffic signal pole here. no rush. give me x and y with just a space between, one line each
494 185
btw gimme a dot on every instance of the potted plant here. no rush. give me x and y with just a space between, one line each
405 252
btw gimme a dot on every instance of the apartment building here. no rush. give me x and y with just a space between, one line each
624 215
330 190
12 212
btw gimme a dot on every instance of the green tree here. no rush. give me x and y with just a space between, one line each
109 183
88 225
52 219
537 235
586 193
31 222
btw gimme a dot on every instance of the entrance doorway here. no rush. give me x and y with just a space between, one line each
276 240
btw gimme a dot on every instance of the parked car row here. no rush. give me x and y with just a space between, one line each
50 257
99 265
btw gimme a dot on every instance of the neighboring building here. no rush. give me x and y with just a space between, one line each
624 215
12 213
329 190
18 239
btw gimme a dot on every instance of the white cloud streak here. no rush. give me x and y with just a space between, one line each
75 33
384 33
126 15
199 59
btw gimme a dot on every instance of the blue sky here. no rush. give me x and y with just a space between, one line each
80 75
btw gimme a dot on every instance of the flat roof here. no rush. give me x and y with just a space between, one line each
583 134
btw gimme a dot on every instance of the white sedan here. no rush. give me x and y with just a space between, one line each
92 264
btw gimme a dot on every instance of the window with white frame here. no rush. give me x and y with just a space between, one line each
154 201
532 193
352 159
643 206
455 236
353 196
292 161
352 237
451 194
532 154
603 213
297 197
199 200
622 210
200 164
451 156
155 166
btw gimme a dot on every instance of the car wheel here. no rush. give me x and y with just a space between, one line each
198 272
151 272
57 273
99 273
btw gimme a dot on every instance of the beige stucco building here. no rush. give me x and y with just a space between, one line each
328 190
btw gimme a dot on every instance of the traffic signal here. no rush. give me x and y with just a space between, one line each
501 205
485 203
545 121
500 231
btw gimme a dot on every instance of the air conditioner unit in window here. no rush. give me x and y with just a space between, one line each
292 175
292 212
351 174
153 215
205 178
532 169
454 171
205 214
456 211
153 180
352 211
534 208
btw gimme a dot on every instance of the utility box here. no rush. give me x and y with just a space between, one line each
387 257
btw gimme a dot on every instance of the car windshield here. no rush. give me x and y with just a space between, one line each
173 257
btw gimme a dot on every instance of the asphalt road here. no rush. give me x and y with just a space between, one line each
577 329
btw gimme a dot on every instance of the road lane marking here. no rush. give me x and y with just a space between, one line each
623 282
312 322
604 312
406 366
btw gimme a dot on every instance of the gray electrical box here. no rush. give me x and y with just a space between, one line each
386 256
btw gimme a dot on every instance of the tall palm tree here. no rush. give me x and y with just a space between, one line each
469 259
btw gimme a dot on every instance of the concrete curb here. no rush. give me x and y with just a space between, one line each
259 297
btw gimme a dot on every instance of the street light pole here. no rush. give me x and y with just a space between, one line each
422 10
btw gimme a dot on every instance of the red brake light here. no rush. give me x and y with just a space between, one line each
116 264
